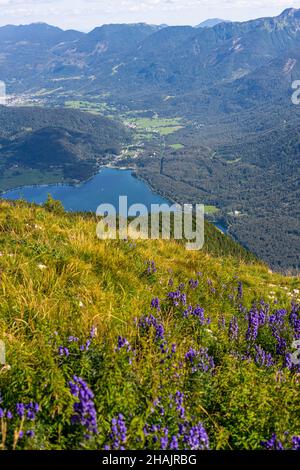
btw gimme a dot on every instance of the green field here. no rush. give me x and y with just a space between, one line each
176 146
88 106
15 178
211 210
161 126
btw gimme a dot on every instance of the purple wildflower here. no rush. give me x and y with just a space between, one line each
197 438
63 351
28 411
122 343
174 443
263 358
233 331
253 324
118 434
179 397
294 320
273 443
84 409
164 441
296 443
151 269
147 322
196 312
177 297
240 290
200 360
193 283
155 303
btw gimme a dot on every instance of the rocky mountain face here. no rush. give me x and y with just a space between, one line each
154 57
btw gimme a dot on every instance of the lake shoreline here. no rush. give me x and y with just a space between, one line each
219 224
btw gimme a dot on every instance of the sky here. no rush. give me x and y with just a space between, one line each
84 15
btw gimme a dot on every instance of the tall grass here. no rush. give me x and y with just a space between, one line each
72 306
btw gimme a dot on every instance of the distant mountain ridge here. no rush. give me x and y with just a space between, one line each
151 58
210 23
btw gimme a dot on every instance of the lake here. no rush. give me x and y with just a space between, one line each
105 187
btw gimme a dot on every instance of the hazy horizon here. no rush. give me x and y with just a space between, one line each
84 15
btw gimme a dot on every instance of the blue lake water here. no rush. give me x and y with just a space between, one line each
104 187
221 226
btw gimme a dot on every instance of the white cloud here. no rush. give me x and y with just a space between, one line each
85 14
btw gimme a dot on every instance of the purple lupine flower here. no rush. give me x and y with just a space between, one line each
174 443
147 322
263 358
196 312
253 324
84 409
177 297
73 339
193 283
118 434
155 303
28 411
233 331
30 433
296 443
62 351
151 269
164 441
122 343
277 318
181 429
2 413
179 397
281 346
93 332
199 312
9 415
240 290
20 409
273 443
200 360
294 320
163 348
188 311
197 438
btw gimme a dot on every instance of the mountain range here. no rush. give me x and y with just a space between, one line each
211 23
155 58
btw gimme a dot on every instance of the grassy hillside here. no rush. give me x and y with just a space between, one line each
114 344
